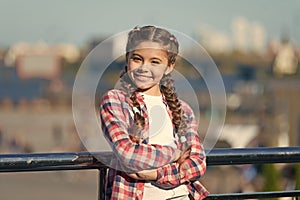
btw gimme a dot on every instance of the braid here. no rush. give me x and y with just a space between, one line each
168 89
139 120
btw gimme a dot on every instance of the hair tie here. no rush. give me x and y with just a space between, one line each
135 110
182 139
135 29
172 38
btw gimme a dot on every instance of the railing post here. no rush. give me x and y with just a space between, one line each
102 181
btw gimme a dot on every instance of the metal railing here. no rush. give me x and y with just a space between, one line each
87 160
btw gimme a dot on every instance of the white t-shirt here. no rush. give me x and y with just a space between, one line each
161 132
161 128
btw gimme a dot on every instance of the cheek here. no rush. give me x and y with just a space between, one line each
158 73
132 66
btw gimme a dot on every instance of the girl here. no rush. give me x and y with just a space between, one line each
153 134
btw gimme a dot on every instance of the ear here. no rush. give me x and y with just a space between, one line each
170 68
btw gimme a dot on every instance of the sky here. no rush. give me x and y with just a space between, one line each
78 21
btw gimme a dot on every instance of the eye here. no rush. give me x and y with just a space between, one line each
136 58
155 62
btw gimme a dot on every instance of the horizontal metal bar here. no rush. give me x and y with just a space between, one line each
88 160
254 195
236 156
46 162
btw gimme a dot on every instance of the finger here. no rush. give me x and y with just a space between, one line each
187 149
186 154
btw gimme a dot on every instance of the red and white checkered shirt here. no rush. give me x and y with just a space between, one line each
117 121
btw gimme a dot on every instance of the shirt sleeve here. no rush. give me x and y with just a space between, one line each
193 167
133 156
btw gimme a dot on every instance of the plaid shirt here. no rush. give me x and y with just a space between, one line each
117 121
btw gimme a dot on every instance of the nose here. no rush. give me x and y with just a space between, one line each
144 67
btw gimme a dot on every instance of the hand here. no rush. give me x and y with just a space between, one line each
183 166
180 156
184 169
184 155
134 139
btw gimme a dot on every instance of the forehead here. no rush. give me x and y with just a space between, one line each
152 49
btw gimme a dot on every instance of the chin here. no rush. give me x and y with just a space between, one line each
144 87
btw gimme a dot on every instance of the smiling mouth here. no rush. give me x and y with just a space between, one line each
141 76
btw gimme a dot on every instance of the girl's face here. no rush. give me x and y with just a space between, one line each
146 66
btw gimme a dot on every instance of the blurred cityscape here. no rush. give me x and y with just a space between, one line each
261 77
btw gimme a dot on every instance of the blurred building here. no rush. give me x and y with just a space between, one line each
286 61
240 27
2 54
286 112
40 60
258 38
34 71
107 47
213 40
248 36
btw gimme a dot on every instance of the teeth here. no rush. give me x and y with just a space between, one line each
142 76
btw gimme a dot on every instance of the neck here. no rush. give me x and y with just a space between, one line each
152 92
